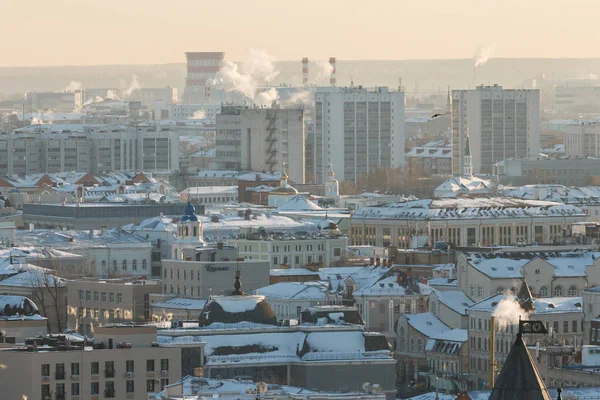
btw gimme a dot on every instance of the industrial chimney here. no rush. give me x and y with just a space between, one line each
305 71
332 77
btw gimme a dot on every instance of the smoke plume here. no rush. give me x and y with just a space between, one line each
200 114
267 97
483 53
257 70
133 86
324 71
303 97
71 87
508 312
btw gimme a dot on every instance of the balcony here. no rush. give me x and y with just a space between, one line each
164 372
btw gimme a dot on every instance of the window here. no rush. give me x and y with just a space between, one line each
60 371
297 260
573 291
104 297
337 252
134 264
555 326
74 369
143 264
537 271
114 265
119 297
164 364
565 326
124 265
558 292
419 345
129 366
574 327
412 345
103 265
111 297
95 296
543 291
109 369
109 389
75 389
163 383
150 386
45 391
499 289
60 391
95 388
46 370
150 365
95 368
88 295
130 386
81 295
275 261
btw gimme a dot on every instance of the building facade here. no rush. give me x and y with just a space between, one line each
561 171
201 66
261 139
501 124
356 130
582 140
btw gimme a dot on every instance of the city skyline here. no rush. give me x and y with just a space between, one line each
86 33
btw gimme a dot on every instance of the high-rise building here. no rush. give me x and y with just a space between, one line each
582 140
261 139
201 66
355 130
501 124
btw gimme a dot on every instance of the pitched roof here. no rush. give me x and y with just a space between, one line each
519 378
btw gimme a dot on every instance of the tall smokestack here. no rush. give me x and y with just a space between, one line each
305 71
332 76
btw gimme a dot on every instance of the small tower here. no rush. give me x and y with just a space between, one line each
189 234
332 187
448 102
284 177
467 163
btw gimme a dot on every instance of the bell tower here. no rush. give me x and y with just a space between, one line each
190 234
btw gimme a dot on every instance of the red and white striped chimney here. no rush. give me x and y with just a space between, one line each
305 71
332 76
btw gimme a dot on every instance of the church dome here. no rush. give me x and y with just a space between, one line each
189 213
235 309
284 189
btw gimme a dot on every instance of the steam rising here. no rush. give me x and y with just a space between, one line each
508 312
482 54
324 71
200 114
71 87
303 97
133 86
257 70
266 97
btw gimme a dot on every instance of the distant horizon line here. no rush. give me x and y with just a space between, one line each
299 60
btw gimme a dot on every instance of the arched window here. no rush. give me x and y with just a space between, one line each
114 265
134 264
103 265
185 231
412 344
401 339
195 231
544 291
144 264
175 254
419 345
573 291
558 291
124 265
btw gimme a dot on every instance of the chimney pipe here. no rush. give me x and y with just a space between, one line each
332 81
378 261
371 261
305 71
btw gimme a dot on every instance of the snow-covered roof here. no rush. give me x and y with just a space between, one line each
445 282
314 291
18 307
293 272
468 208
456 300
73 239
181 303
508 265
430 152
580 196
298 203
27 276
204 190
260 176
427 324
544 305
389 286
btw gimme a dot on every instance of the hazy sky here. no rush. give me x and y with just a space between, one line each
84 32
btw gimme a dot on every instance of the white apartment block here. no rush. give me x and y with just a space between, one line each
577 98
356 130
123 363
261 139
101 302
181 112
501 123
93 152
582 140
294 252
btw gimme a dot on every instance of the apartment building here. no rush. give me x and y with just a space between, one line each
500 123
355 130
540 170
261 139
65 101
295 252
582 140
123 362
102 302
40 150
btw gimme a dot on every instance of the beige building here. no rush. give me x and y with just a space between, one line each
548 273
463 222
101 302
563 317
123 363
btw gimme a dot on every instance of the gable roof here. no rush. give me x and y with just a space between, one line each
456 300
426 323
